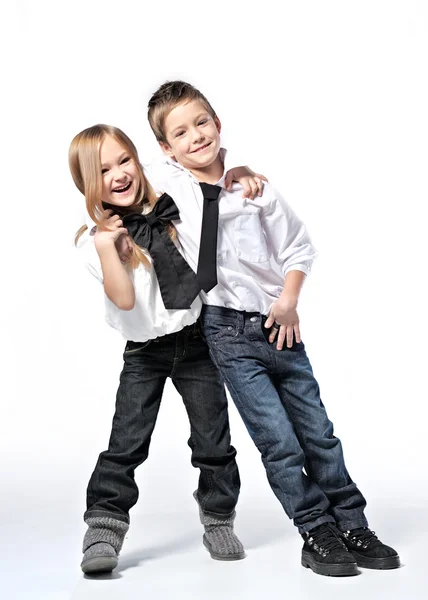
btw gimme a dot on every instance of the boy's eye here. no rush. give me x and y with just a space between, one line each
202 122
179 133
125 160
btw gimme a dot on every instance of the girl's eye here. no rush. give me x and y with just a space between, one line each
202 122
103 171
125 160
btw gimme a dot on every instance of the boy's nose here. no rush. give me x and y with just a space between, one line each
197 135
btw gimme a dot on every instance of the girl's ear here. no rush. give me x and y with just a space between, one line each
166 149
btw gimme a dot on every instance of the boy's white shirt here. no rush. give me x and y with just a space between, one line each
149 318
259 240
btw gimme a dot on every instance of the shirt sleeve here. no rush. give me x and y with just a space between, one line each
286 236
158 172
231 160
89 255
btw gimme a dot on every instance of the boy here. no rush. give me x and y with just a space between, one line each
249 304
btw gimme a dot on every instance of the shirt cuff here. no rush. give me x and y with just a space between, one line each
299 267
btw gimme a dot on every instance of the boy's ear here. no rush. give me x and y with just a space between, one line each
166 149
217 123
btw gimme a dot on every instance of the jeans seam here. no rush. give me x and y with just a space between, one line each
207 473
232 387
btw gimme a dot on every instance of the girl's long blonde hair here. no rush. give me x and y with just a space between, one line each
85 166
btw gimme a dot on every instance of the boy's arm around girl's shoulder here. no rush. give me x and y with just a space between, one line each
286 234
104 264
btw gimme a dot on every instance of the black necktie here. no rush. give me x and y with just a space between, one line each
207 261
177 281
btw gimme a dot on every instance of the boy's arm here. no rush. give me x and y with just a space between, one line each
291 247
286 235
283 317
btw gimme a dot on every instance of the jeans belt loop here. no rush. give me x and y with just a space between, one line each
240 318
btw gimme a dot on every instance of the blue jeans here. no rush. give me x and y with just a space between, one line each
279 401
184 357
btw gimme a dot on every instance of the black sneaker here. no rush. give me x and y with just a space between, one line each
369 551
325 553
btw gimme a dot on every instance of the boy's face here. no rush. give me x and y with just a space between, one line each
193 136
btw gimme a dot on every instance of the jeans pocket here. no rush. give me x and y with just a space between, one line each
296 347
217 332
134 347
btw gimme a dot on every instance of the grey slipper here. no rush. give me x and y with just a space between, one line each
99 558
232 551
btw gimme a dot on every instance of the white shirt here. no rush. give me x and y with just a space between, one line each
149 318
259 240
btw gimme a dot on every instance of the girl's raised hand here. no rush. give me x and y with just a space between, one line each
109 230
124 248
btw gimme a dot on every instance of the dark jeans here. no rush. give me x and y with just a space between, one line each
278 399
184 357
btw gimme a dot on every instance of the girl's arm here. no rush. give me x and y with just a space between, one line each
252 183
117 283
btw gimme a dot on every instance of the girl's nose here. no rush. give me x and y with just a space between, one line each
118 174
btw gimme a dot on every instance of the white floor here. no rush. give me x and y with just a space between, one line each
163 558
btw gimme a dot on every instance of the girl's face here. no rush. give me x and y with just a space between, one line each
120 175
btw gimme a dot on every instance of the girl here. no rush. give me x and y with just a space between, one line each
161 342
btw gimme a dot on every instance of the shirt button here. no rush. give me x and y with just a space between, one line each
233 284
241 307
219 256
230 328
253 319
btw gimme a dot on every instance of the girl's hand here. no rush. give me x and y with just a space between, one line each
251 182
124 248
109 230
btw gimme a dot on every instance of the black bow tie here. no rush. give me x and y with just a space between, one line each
177 281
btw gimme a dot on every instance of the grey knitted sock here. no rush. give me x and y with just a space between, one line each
219 538
102 543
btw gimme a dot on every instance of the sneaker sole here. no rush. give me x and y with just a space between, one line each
217 556
99 564
387 562
334 570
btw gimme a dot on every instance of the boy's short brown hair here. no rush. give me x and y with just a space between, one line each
168 96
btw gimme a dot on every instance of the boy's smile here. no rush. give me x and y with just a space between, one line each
193 139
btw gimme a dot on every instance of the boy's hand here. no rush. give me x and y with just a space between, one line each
251 182
109 230
284 321
124 248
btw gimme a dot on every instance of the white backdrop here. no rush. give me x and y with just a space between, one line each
329 100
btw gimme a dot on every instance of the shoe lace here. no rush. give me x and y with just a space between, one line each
326 538
363 537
